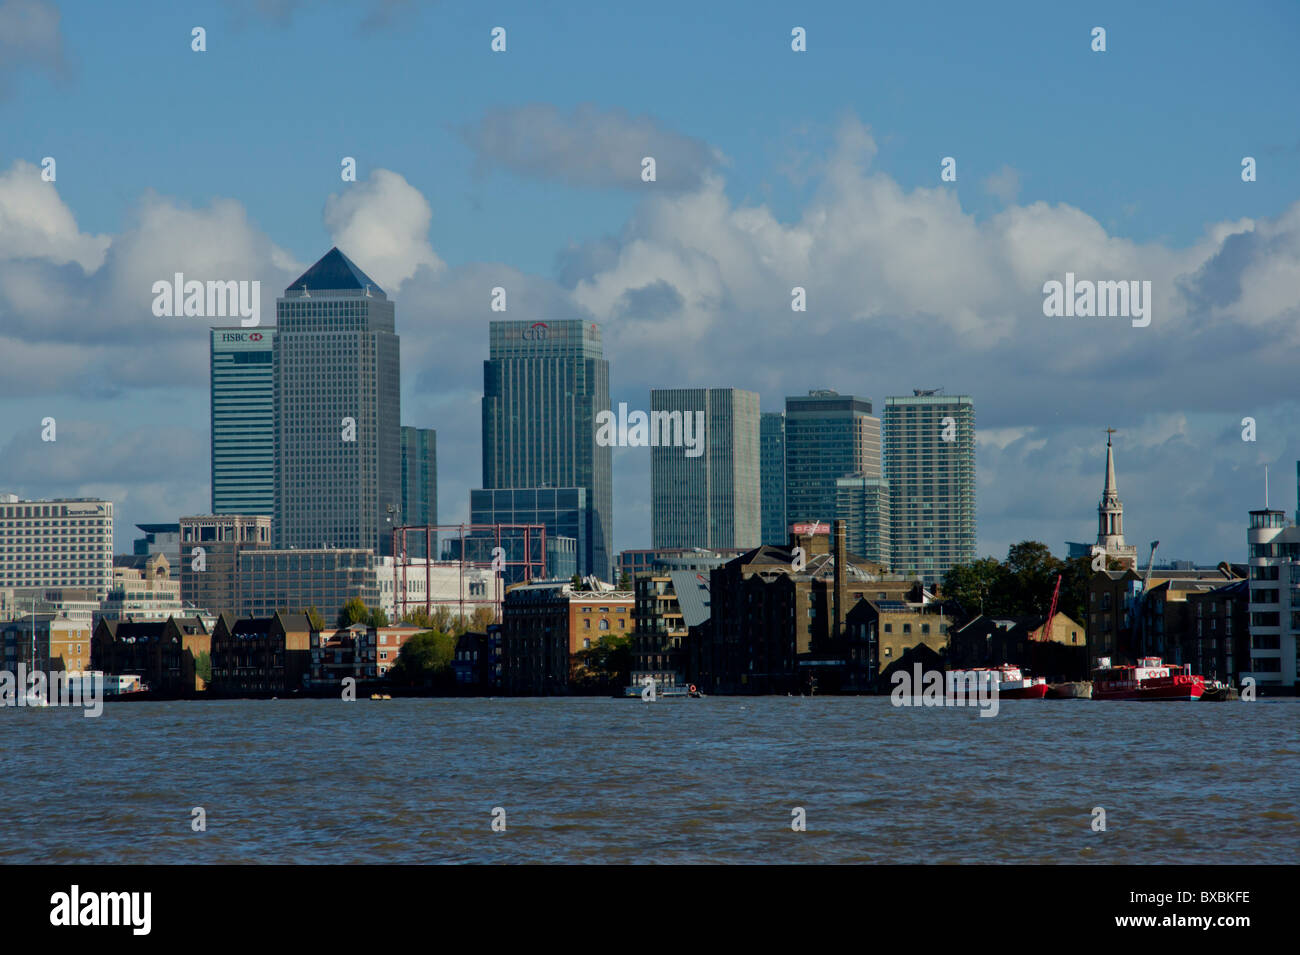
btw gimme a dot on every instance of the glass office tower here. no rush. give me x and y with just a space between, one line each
543 384
243 420
337 411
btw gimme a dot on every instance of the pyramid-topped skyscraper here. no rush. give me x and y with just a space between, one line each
337 410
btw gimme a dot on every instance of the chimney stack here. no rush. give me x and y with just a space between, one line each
841 579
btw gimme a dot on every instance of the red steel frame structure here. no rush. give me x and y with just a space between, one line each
533 569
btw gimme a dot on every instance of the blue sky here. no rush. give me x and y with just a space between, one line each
1127 160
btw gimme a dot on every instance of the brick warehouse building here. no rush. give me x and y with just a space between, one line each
163 653
544 625
261 655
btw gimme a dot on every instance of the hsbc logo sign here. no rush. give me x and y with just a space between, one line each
255 337
536 332
241 336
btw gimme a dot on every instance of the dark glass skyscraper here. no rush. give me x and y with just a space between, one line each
243 421
771 453
419 485
543 384
337 411
827 436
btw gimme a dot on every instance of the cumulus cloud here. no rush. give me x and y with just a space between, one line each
383 221
589 147
35 222
904 288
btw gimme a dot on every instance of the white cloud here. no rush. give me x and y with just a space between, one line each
382 224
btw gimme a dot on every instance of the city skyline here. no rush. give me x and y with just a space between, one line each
803 181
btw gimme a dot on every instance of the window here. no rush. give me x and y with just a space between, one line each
604 624
907 628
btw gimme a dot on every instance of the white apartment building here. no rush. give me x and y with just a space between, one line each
1274 553
58 543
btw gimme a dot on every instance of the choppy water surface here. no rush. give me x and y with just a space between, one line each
598 780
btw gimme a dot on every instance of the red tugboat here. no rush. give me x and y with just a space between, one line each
1151 679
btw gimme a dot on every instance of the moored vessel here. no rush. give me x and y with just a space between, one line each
1073 690
1007 681
1151 679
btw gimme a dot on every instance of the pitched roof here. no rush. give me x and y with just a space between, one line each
692 589
334 272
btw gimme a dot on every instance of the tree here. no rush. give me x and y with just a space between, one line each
203 666
378 617
313 615
419 617
976 586
576 582
625 581
354 611
482 618
605 665
424 657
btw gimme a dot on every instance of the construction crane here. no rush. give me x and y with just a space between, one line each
1051 614
1142 599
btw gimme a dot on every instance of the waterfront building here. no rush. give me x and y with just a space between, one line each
827 436
419 486
545 625
165 655
56 543
142 589
211 545
59 643
666 607
777 617
880 632
543 385
360 651
261 655
1122 626
1274 554
242 420
1217 644
929 451
775 527
337 411
708 494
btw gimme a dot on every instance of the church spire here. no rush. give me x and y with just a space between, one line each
1110 514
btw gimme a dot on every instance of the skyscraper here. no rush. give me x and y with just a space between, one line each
243 421
863 505
930 465
419 485
543 384
827 436
771 438
706 495
337 410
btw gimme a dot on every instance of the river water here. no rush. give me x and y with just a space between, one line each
602 780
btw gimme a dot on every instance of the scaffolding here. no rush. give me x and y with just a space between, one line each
506 550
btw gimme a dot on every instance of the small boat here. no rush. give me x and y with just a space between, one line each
380 696
1075 690
1219 692
1006 680
1151 679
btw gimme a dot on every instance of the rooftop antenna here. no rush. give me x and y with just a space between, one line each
1266 487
